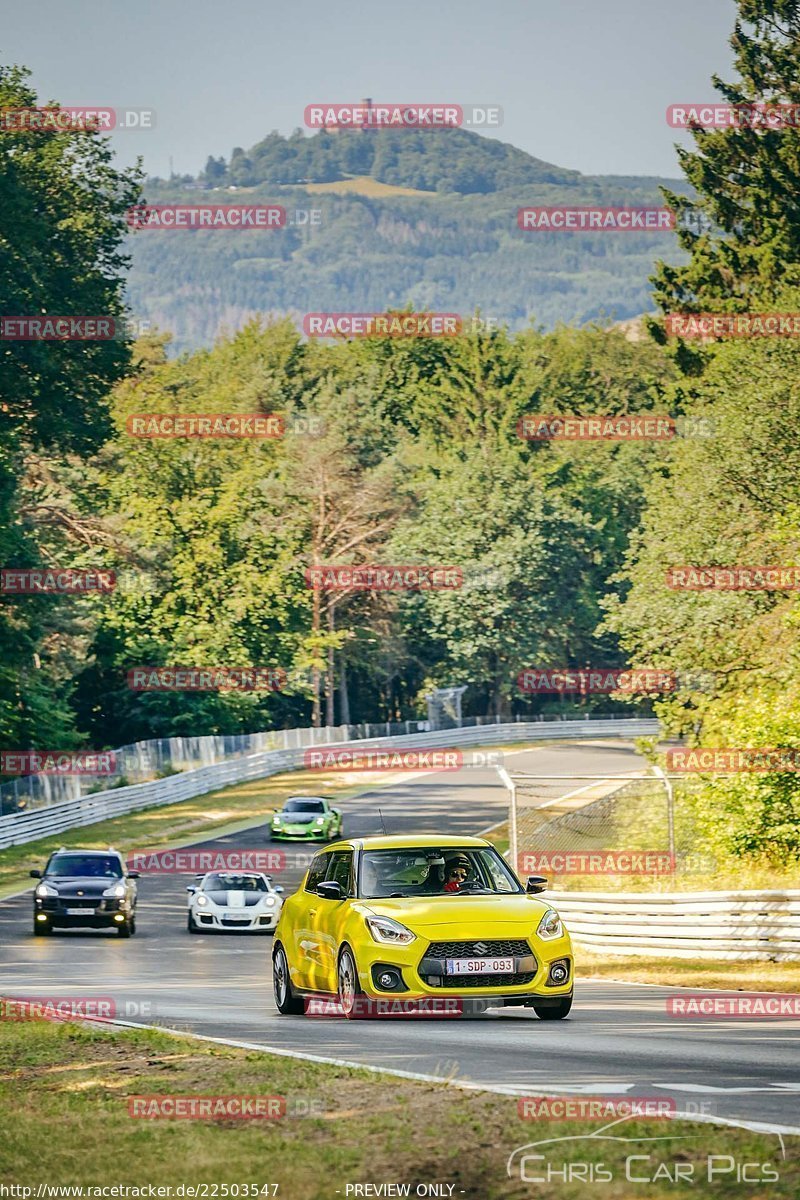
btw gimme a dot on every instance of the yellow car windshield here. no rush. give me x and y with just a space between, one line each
411 872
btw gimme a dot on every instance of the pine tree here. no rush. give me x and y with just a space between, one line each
742 229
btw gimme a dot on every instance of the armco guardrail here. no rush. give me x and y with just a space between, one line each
142 762
19 828
756 926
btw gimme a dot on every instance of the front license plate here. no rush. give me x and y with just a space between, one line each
78 912
479 966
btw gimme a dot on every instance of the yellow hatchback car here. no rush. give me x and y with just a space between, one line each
415 918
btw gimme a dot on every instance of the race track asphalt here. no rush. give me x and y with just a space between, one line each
618 1040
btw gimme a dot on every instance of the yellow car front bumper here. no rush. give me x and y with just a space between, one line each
420 965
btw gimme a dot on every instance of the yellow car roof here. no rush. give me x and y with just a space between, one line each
413 841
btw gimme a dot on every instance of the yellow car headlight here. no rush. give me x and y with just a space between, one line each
550 926
389 932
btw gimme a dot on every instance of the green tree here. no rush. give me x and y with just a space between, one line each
746 179
62 223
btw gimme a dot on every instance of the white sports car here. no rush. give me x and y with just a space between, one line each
234 900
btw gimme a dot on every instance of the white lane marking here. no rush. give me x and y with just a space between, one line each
131 986
775 1088
464 1085
673 987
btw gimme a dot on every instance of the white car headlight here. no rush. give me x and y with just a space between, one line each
202 900
118 890
391 933
320 821
44 889
269 901
276 820
550 926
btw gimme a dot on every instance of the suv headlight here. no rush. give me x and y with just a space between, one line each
391 933
550 926
118 890
44 889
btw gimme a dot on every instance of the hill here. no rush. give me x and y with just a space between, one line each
428 219
443 160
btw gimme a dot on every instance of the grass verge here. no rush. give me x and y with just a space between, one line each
699 973
64 1106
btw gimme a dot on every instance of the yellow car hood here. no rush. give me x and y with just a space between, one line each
463 911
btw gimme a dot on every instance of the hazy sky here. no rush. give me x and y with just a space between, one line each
583 83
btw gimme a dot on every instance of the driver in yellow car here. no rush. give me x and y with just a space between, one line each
456 872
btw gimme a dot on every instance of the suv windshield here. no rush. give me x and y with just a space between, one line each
434 872
103 866
235 883
303 806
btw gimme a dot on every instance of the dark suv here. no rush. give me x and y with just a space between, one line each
85 889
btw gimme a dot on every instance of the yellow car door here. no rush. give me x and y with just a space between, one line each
330 917
306 959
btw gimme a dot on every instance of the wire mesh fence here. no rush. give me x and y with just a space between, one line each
607 831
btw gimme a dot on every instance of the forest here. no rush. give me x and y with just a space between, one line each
407 451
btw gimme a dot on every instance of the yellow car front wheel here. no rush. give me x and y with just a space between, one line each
347 978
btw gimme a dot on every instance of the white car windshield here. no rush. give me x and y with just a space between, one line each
235 883
450 871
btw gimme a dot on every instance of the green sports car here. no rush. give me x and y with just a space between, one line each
307 819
